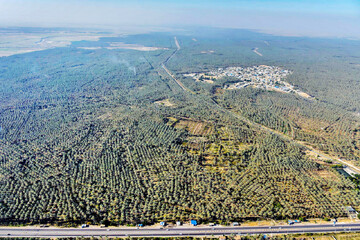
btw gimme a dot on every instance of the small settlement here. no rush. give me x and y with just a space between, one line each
265 77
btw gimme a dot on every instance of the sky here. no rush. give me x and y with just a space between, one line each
315 18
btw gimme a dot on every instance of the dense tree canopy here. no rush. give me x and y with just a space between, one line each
106 135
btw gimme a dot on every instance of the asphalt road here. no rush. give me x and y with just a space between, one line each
176 231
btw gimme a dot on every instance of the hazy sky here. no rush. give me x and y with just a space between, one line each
339 18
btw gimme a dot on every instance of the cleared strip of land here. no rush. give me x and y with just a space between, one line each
255 50
168 71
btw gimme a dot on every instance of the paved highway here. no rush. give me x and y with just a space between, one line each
176 231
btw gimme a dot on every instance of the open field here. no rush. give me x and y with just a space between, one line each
119 45
18 42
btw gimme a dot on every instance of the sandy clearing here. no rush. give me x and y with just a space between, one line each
121 45
255 50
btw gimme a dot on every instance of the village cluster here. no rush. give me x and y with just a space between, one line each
263 76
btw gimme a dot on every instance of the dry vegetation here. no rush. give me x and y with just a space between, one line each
165 102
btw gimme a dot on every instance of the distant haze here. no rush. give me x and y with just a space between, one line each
296 18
